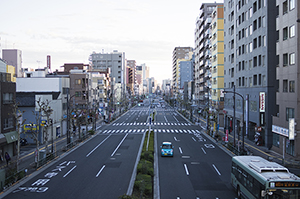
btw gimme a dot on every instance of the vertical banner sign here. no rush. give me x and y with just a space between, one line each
262 107
226 136
292 129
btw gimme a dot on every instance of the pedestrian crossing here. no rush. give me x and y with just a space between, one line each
153 124
141 131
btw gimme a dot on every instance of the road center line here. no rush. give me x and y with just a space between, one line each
186 170
119 145
70 171
97 146
216 170
203 150
100 171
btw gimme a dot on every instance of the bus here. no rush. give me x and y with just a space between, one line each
254 177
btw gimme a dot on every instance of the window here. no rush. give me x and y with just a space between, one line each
291 86
285 86
264 41
250 12
263 60
285 33
254 25
250 30
100 81
254 80
264 80
292 59
259 41
292 31
254 61
263 21
78 93
276 139
250 64
292 4
255 43
7 98
250 81
259 79
290 113
259 22
65 90
284 7
254 7
285 59
259 60
8 123
78 81
250 47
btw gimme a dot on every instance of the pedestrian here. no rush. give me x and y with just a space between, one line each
7 157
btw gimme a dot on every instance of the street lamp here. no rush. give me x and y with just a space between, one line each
242 124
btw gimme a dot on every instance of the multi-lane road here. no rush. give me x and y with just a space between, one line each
103 167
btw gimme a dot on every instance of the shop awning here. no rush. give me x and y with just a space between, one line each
11 136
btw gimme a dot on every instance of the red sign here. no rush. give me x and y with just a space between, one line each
226 136
262 101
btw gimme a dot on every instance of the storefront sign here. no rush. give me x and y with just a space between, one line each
280 130
262 101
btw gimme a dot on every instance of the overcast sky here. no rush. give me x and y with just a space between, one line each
146 30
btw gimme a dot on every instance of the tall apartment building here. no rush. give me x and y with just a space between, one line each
249 65
13 57
115 61
131 76
179 54
287 96
203 54
217 56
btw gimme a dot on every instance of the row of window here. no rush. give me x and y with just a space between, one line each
288 5
253 105
8 123
288 32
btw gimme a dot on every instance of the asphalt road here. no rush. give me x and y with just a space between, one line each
100 168
103 167
199 169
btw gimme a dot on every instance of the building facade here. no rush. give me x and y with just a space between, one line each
217 56
115 61
249 66
13 57
179 54
202 52
288 94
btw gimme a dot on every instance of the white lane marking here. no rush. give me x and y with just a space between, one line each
119 145
180 130
194 139
172 130
186 170
70 171
203 150
100 171
165 118
216 170
180 150
175 119
97 146
209 146
176 139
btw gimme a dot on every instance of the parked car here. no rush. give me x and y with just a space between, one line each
167 149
